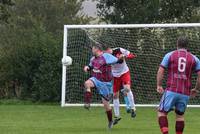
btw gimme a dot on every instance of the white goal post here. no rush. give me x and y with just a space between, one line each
111 26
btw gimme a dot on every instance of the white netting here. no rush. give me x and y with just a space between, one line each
150 45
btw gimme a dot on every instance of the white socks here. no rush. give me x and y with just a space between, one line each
116 107
131 100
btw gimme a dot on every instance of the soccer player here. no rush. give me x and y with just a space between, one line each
122 78
180 65
100 65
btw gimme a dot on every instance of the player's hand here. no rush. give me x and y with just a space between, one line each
194 92
86 69
160 89
121 57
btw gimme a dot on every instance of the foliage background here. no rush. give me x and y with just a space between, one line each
31 42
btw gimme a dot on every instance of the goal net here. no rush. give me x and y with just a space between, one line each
149 41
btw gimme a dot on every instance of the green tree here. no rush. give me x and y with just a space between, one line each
141 11
4 10
129 11
178 11
31 48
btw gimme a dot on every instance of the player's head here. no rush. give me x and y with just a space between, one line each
97 49
182 42
108 49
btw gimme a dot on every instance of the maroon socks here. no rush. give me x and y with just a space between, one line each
87 97
109 115
163 122
179 127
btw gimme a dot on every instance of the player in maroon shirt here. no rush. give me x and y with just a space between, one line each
100 67
180 64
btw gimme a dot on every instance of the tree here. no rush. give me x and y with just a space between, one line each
4 10
129 11
141 11
178 10
31 48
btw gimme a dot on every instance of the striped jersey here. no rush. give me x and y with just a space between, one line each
101 66
180 64
121 68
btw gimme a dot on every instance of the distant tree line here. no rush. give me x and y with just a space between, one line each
32 36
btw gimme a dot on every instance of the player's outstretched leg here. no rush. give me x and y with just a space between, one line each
88 94
108 110
132 103
163 122
180 124
127 90
116 104
128 108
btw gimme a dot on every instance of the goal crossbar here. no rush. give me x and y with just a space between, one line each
172 25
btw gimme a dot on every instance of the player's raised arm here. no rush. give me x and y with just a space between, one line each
127 54
110 59
88 67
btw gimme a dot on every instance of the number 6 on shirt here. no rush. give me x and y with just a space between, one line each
181 64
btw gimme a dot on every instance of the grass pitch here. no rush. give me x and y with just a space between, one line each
43 119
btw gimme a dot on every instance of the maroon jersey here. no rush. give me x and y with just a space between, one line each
101 67
181 64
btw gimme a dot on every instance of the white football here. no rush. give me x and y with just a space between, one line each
67 61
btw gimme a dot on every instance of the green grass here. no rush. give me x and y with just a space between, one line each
46 119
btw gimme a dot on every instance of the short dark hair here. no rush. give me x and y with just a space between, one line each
98 46
182 42
105 47
101 46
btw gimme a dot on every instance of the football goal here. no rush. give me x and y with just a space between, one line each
149 41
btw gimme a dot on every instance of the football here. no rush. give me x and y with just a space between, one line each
67 61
